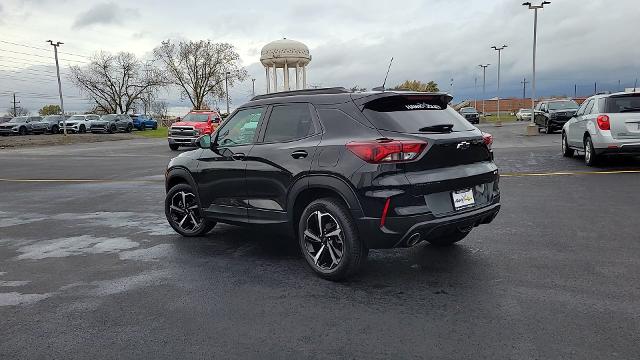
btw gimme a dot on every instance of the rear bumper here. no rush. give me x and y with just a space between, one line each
397 230
620 149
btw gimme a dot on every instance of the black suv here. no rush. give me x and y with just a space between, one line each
343 172
552 114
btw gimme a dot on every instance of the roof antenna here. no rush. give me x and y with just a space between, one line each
381 88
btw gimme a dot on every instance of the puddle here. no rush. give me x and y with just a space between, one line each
77 245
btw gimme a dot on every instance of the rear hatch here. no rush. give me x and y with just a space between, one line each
456 157
624 115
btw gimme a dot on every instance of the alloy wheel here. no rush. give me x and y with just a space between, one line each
323 240
587 150
185 212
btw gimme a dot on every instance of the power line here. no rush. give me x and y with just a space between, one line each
40 56
43 49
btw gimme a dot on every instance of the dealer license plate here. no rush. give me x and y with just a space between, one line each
463 199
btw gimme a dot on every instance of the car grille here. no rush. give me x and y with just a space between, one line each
183 131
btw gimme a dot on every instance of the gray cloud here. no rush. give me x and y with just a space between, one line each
104 14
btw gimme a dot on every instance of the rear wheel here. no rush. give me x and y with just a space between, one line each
155 126
449 239
55 129
174 147
82 129
590 156
329 240
143 127
22 131
182 209
566 150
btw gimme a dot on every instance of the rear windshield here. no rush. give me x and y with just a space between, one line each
196 117
562 105
409 114
625 103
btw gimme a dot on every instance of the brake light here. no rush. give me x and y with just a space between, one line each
387 150
383 218
488 139
603 122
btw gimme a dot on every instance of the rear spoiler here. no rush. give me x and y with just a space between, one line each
441 100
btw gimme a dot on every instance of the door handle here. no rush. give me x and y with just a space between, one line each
299 154
238 156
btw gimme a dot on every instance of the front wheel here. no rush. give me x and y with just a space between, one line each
22 131
566 150
174 147
55 129
449 239
182 209
329 240
143 127
129 128
82 129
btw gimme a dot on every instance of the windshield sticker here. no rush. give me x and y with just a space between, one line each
423 106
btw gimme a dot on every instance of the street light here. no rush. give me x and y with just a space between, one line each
531 128
484 82
226 84
55 51
499 50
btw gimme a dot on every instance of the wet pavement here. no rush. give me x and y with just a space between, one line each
92 270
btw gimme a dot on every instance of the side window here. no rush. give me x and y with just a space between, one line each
241 128
589 107
582 107
289 122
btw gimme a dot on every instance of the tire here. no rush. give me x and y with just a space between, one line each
155 127
174 147
547 128
566 150
129 128
143 127
449 239
193 223
55 129
590 156
22 131
82 129
112 129
332 257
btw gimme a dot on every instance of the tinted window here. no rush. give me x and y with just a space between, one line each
289 122
626 103
241 128
196 117
562 105
411 113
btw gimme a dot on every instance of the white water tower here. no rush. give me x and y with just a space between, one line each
285 54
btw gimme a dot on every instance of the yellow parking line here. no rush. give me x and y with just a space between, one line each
564 173
76 180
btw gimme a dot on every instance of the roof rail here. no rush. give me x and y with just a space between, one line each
331 90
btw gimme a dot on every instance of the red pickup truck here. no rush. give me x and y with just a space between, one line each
191 126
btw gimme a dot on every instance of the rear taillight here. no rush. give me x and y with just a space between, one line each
488 139
603 122
387 150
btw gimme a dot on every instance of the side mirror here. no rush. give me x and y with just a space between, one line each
204 142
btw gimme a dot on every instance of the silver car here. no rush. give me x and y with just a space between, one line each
523 115
79 123
604 125
23 125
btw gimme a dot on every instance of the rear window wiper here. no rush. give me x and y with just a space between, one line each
441 128
630 109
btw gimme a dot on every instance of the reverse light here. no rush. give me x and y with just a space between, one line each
487 139
387 150
603 122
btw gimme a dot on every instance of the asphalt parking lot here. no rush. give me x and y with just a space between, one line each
90 268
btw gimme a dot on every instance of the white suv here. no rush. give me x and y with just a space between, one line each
604 125
79 123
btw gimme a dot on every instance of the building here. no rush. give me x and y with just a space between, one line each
510 105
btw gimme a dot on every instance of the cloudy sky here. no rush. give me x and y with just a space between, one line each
580 42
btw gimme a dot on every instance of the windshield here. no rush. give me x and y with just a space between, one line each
525 110
76 117
195 117
108 117
52 118
562 105
18 119
409 114
468 110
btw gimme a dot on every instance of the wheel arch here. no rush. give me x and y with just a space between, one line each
179 175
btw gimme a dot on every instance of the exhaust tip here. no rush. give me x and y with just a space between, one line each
413 239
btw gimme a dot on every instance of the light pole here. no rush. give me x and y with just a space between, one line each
531 128
226 85
55 51
484 82
499 50
253 86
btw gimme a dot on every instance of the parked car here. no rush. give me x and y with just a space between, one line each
78 123
143 122
112 123
52 123
523 115
344 172
550 115
191 126
604 125
23 125
471 114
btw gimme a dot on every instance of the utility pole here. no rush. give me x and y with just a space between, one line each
253 87
475 92
531 129
55 51
484 83
575 91
499 50
226 84
524 83
595 87
147 103
15 107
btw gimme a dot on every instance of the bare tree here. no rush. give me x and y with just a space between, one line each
160 109
116 82
199 68
19 111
